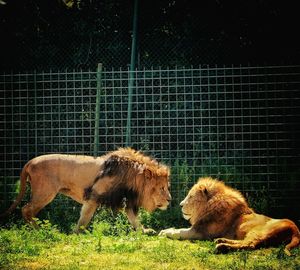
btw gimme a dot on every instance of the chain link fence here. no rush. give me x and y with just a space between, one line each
238 123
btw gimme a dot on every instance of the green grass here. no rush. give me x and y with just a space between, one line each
113 246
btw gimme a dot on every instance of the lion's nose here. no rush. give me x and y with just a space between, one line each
169 197
182 203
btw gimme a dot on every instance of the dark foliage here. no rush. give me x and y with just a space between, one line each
47 34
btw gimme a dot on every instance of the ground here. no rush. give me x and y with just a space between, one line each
22 247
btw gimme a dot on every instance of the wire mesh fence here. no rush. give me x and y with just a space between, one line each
237 123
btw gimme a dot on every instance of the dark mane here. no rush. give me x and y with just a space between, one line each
138 160
124 165
119 167
118 198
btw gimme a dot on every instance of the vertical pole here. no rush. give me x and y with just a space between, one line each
97 111
131 74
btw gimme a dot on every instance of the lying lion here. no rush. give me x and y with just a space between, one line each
216 210
124 178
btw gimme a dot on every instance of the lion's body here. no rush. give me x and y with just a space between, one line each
219 212
67 174
120 177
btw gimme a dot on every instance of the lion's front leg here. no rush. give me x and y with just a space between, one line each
181 234
225 241
87 211
134 221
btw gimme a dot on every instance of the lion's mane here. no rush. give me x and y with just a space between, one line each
223 205
124 165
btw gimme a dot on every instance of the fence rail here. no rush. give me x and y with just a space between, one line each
238 123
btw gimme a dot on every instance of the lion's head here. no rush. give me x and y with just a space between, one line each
207 197
141 180
156 192
194 202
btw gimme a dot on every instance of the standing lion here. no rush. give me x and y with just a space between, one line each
124 178
219 212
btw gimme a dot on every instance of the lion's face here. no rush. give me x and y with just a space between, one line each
193 203
156 194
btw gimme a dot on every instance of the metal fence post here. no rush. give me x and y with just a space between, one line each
97 110
131 74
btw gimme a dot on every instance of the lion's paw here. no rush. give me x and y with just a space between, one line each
220 240
149 231
222 248
164 232
170 233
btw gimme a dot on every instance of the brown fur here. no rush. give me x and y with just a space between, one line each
124 178
219 212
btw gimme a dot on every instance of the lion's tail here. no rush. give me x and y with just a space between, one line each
23 180
295 240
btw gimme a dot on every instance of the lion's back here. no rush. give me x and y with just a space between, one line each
66 171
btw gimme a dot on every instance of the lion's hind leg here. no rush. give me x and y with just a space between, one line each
276 233
31 209
286 232
250 242
235 245
294 243
29 212
43 191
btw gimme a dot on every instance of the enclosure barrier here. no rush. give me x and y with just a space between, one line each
238 123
